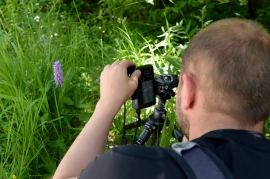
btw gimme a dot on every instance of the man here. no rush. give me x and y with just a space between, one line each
223 99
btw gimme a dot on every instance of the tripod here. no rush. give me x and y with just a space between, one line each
155 121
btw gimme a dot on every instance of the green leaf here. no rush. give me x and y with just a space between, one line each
160 70
85 106
174 9
194 3
192 32
181 23
181 4
84 116
175 61
48 164
150 1
68 101
188 26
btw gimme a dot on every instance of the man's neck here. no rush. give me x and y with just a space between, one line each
199 127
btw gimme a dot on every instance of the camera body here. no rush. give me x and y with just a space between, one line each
144 96
150 87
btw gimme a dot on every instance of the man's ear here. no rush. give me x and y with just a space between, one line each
188 91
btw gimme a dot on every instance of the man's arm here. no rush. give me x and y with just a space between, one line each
115 89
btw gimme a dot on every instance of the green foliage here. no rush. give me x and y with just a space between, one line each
39 121
262 15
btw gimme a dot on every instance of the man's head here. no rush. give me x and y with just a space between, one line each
230 62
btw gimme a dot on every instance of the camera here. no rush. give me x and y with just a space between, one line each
149 87
144 96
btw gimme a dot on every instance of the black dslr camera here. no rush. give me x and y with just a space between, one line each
149 87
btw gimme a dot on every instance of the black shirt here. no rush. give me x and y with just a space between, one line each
245 153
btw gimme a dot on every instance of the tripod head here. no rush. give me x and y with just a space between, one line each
164 85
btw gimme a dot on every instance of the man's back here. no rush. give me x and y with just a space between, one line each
245 153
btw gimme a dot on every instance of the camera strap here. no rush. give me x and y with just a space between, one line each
198 162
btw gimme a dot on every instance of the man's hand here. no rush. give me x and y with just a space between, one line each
115 87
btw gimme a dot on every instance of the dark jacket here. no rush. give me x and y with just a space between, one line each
245 153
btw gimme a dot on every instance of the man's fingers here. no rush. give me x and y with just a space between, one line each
115 63
134 78
105 68
127 63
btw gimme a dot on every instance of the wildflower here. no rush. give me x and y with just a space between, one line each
58 74
37 18
14 176
119 20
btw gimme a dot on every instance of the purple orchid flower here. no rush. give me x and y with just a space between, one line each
58 74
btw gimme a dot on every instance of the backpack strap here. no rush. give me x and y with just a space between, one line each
226 172
203 163
188 171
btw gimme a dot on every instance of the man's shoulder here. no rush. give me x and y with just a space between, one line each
153 152
218 139
133 161
235 146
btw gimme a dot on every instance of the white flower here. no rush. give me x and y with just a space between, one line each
119 20
37 18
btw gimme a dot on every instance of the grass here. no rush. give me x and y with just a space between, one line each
39 121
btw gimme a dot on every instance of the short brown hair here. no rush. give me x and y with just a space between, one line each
231 60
